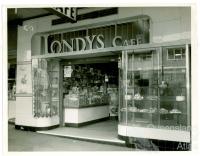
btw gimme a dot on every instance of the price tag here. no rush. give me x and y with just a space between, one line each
67 71
106 78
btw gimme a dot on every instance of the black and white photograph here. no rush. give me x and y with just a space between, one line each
93 78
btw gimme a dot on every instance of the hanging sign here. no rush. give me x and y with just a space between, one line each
67 71
65 12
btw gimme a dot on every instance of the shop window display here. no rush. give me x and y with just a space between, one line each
45 87
155 90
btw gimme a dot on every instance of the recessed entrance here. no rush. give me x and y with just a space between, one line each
90 93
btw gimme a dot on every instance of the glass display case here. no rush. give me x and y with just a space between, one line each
154 88
45 87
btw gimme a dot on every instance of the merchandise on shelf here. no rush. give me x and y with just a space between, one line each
133 109
175 111
152 110
88 84
138 97
123 109
163 111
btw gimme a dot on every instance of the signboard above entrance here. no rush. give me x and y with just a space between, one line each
79 44
124 34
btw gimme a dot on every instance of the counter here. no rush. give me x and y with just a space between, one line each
83 115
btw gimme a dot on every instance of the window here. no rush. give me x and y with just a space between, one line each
144 57
175 53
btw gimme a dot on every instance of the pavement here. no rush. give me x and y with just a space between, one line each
104 132
19 140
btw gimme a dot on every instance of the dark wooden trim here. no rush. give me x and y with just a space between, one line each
85 123
34 129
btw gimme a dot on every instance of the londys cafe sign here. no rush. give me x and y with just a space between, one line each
91 42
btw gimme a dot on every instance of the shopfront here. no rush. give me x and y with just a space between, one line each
127 69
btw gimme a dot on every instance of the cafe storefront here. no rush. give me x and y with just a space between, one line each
131 67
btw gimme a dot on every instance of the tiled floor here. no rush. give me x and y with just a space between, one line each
105 131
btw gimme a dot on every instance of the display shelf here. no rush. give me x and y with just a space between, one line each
142 121
143 112
145 99
155 113
173 114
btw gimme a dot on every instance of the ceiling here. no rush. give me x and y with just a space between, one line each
25 13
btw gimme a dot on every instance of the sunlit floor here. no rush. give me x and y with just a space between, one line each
105 131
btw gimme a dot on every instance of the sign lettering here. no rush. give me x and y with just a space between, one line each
65 12
87 42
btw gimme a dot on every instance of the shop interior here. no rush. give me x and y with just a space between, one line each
90 93
92 84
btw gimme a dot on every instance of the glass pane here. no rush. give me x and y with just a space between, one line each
178 54
142 81
183 53
173 108
170 54
123 103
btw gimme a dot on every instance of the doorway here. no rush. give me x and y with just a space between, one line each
90 91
